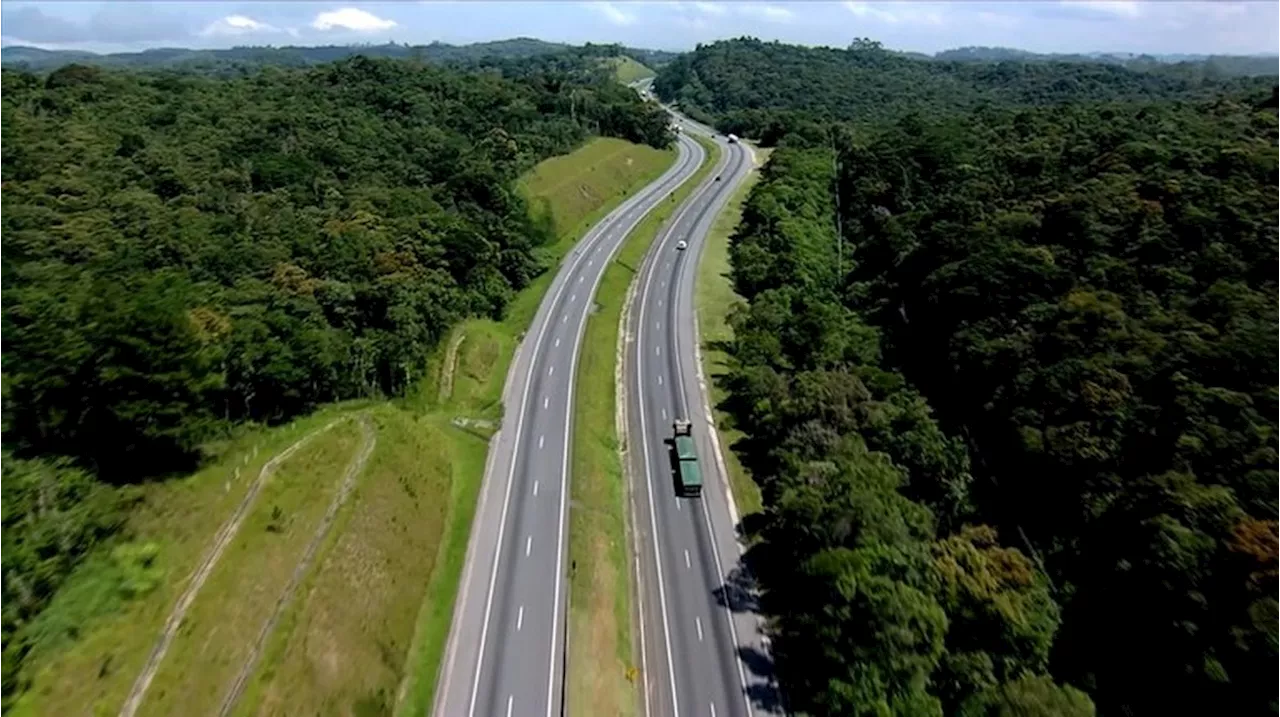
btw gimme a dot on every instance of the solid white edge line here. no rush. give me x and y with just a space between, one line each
653 522
564 466
515 450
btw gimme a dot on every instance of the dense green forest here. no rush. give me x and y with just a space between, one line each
36 59
1008 380
182 253
766 89
1216 65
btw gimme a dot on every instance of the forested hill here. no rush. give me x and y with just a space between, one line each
1220 65
754 88
181 251
1008 384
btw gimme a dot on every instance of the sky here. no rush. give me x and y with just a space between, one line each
1151 26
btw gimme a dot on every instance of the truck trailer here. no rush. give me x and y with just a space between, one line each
686 458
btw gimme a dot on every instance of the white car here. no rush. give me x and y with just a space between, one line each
682 244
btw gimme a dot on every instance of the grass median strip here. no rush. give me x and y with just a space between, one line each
602 670
714 297
573 192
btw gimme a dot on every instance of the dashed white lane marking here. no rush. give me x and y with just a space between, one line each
591 260
541 439
713 710
557 341
572 297
686 559
580 278
698 622
546 401
535 489
664 414
678 503
659 302
528 544
657 325
551 370
659 379
664 284
520 619
657 350
510 699
564 319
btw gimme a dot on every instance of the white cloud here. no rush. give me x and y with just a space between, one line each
235 25
350 18
1120 8
772 13
710 8
612 13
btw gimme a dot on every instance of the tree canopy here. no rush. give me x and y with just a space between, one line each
1007 379
183 252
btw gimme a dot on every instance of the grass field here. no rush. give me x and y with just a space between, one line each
603 674
365 632
627 70
714 297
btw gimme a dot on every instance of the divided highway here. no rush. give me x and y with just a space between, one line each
702 646
505 651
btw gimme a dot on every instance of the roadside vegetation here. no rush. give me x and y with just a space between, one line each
321 268
627 70
603 672
715 301
1006 378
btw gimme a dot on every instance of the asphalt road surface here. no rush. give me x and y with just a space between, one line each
506 644
702 643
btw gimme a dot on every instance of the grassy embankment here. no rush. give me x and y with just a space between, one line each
369 620
628 70
602 670
714 298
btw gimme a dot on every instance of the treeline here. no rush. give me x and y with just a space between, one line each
767 89
182 253
520 48
1008 381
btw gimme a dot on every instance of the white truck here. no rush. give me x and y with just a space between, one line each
733 139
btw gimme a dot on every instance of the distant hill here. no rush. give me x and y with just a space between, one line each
761 89
1221 65
39 60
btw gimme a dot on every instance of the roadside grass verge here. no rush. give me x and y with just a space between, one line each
403 532
602 670
715 298
628 70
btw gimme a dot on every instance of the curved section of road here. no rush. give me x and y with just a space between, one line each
506 644
704 649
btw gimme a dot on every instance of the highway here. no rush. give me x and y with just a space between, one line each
505 650
703 652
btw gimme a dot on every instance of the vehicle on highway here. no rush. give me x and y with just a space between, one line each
686 459
717 177
682 244
733 139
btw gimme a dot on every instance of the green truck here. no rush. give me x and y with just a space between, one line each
687 459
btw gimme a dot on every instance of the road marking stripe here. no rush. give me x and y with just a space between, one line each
659 379
686 559
520 619
510 699
698 622
528 545
557 341
540 440
546 401
551 369
535 488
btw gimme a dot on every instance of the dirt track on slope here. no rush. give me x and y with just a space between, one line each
369 439
220 542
